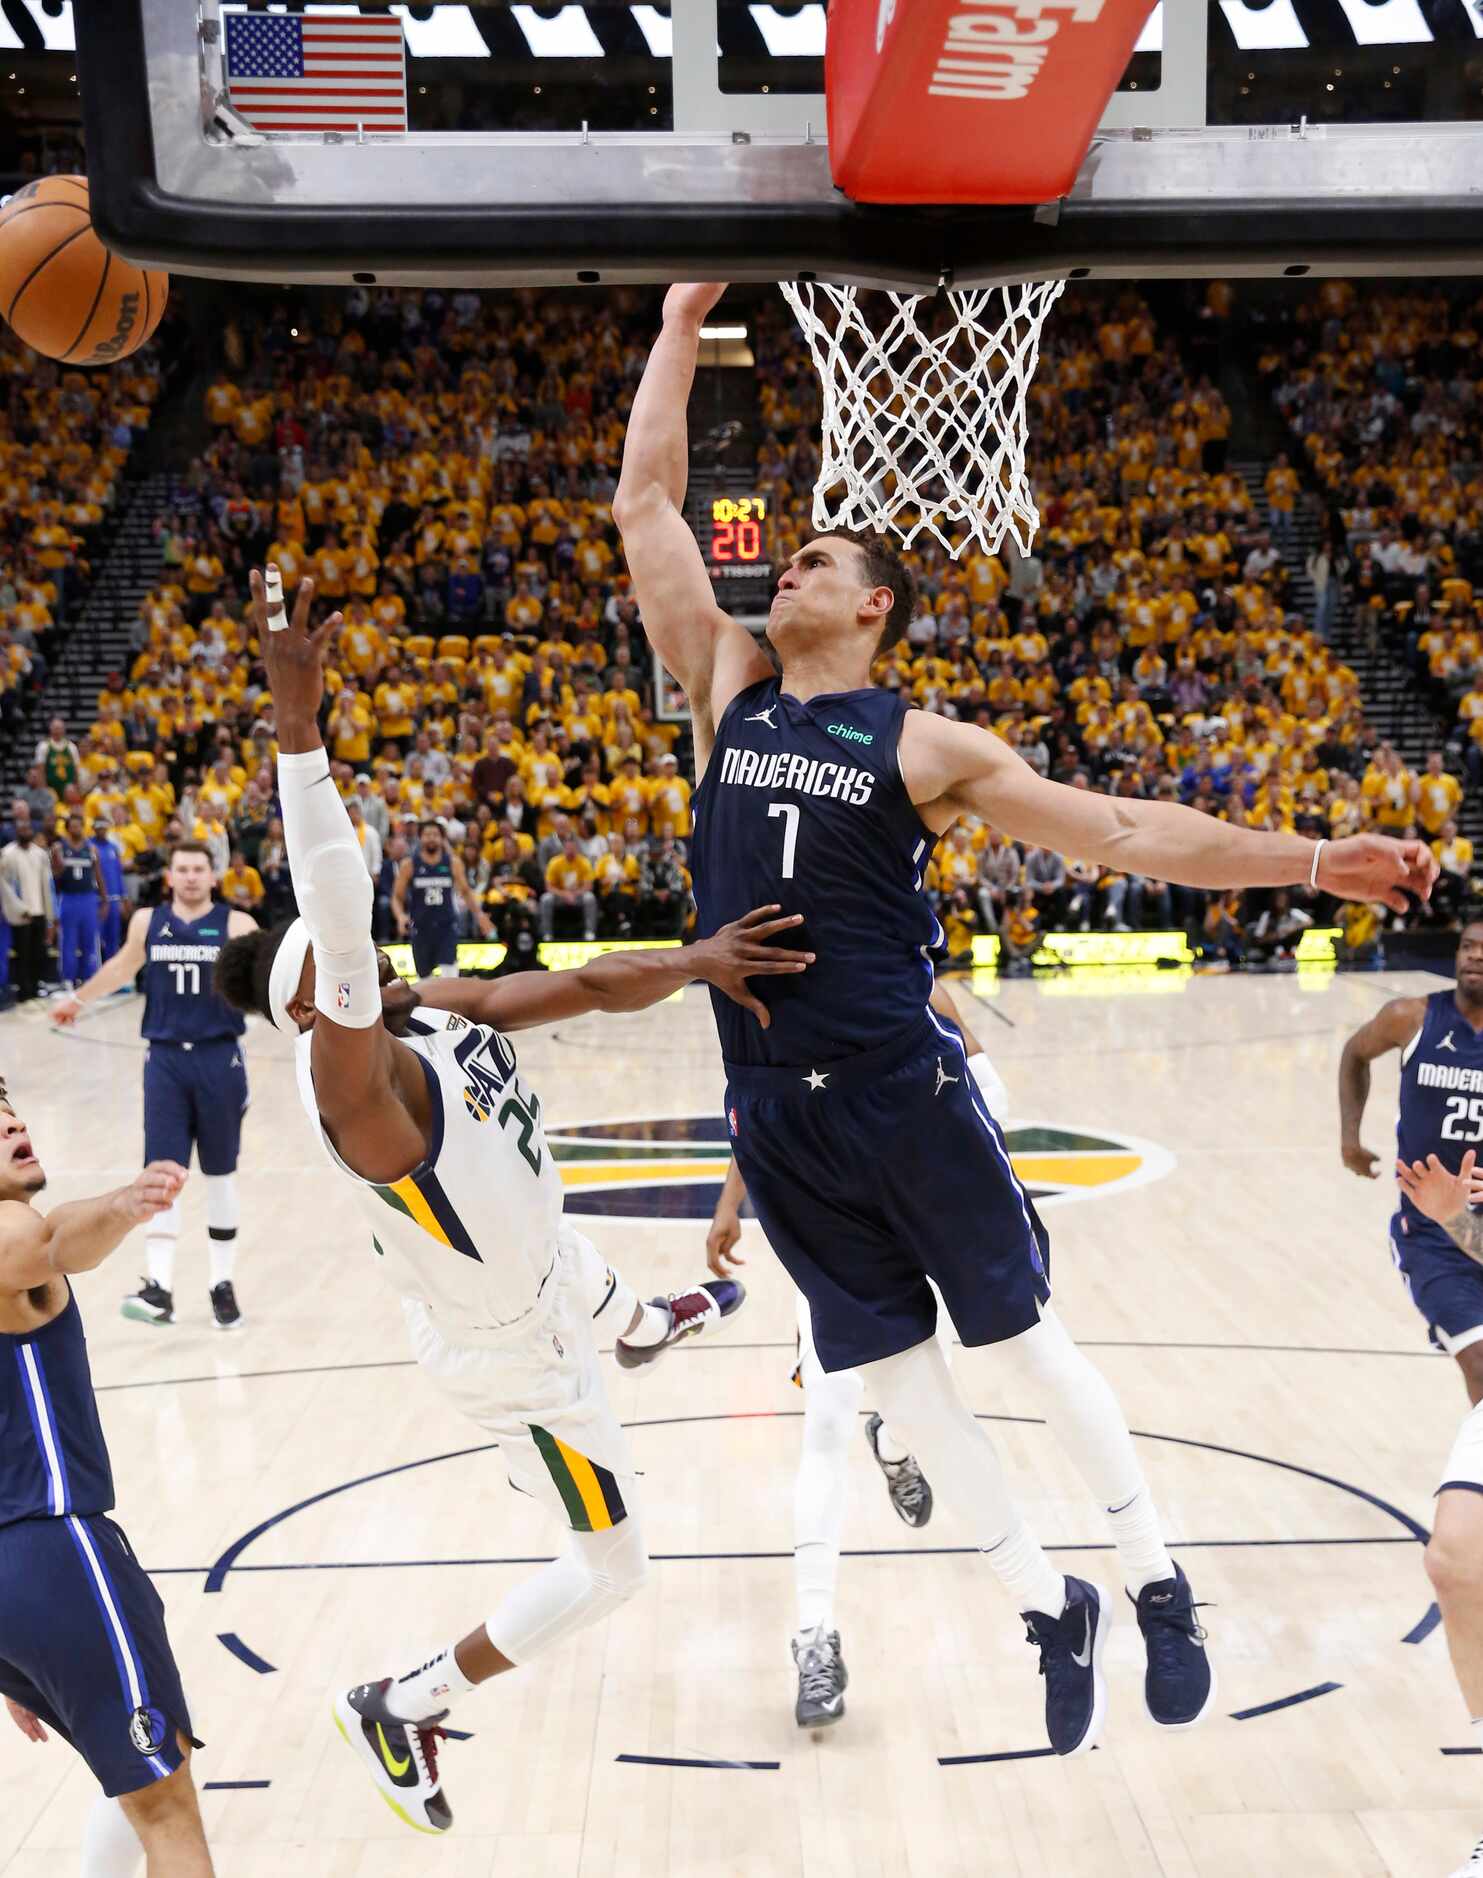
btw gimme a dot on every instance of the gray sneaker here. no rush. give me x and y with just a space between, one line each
911 1495
822 1678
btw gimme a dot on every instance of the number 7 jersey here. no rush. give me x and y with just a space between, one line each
472 1231
803 805
1441 1105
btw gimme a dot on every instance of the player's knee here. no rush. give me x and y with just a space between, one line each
831 1407
619 1569
163 1801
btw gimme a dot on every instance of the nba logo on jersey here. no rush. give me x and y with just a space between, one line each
342 996
731 1117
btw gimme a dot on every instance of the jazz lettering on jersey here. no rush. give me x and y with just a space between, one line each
781 769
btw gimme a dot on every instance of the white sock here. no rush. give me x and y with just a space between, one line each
888 1447
427 1689
223 1214
821 1489
223 1246
916 1391
990 1083
1085 1417
159 1246
110 1845
651 1328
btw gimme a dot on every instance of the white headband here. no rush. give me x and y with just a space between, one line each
288 968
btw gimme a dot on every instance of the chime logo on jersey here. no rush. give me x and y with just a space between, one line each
672 1167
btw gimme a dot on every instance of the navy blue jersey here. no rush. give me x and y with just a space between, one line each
803 805
77 874
111 863
53 1459
430 896
179 959
1441 1106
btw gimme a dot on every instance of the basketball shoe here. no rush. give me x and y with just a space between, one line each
402 1756
224 1306
905 1482
1474 1866
1071 1662
822 1678
150 1304
691 1314
1179 1685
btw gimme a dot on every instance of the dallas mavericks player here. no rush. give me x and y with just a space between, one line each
831 1407
195 1079
429 1120
83 1648
82 901
869 1160
422 903
1437 1240
111 867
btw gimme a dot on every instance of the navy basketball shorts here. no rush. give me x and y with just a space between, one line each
83 1646
1444 1284
874 1175
433 947
195 1095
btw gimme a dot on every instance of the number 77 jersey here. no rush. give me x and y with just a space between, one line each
472 1231
179 962
803 805
1441 1105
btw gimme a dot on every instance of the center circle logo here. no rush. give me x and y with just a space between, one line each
671 1167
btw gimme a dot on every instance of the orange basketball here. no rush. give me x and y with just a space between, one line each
61 290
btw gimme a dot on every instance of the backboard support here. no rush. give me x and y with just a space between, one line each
741 188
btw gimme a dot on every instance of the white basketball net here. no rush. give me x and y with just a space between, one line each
924 420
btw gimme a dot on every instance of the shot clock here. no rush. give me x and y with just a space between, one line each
734 539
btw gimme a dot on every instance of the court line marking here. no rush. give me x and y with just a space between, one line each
231 1786
672 1760
709 1348
1285 1701
231 1641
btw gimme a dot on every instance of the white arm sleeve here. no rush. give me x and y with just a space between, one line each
333 890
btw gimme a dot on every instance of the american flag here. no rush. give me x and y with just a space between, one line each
317 72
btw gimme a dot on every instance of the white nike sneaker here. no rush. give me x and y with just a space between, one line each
822 1678
402 1757
1474 1866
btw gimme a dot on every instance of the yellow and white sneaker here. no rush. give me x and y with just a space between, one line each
402 1756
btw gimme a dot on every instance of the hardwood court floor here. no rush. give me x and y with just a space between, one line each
1227 1272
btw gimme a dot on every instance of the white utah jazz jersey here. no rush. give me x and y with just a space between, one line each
472 1231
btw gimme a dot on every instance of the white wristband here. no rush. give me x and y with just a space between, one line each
1318 848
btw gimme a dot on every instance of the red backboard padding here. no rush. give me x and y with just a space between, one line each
971 101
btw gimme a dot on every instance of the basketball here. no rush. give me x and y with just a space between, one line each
61 291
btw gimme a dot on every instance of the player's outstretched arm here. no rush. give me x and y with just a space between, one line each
1447 1198
1391 1028
630 981
368 1087
954 769
122 969
35 1247
711 655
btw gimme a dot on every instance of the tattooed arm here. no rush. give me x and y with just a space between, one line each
1447 1198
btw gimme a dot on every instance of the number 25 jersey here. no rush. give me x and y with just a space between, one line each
471 1232
803 805
1441 1105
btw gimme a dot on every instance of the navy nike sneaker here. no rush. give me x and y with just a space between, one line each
1179 1685
1071 1662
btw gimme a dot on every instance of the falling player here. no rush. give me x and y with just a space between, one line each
83 1648
195 1079
831 1405
430 1121
854 1105
1437 1242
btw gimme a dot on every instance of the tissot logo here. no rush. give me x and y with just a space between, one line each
673 1167
849 733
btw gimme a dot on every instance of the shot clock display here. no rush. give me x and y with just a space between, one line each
735 540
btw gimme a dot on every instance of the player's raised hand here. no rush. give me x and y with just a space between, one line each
692 300
154 1189
28 1723
1441 1195
1373 867
293 653
741 951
